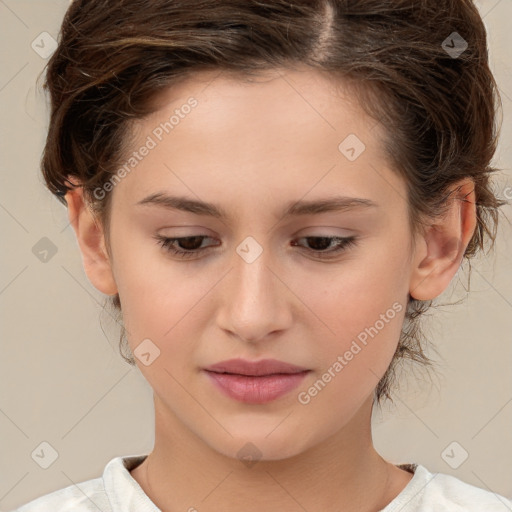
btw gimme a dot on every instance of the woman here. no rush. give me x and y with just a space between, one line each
272 193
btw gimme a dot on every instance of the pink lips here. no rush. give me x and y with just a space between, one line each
255 382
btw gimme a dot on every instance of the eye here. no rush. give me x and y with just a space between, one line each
321 244
190 246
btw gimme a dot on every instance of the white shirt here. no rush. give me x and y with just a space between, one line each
117 491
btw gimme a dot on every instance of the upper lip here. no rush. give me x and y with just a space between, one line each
256 368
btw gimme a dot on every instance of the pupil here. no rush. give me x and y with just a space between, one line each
320 243
186 241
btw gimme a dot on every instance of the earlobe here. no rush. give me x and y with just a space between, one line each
90 237
441 249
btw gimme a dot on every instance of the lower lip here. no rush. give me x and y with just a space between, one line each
256 390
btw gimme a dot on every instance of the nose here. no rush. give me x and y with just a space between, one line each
255 301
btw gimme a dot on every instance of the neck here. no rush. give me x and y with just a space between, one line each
344 472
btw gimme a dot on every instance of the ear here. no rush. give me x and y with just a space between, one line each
440 250
90 237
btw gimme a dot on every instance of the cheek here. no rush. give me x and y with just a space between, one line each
364 323
361 306
156 294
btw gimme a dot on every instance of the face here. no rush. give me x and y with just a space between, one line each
271 276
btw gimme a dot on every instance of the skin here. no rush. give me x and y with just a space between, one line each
252 148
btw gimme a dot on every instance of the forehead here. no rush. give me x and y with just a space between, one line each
302 103
273 97
278 134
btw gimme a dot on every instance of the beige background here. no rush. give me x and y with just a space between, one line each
64 383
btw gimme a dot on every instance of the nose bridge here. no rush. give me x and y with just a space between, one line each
254 303
252 280
254 283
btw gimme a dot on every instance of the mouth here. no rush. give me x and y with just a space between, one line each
257 375
253 389
255 368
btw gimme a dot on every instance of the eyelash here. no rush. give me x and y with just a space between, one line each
343 244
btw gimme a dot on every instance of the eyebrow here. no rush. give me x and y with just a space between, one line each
295 208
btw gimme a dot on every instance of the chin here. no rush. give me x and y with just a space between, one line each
259 446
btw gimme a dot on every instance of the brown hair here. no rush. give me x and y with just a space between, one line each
438 109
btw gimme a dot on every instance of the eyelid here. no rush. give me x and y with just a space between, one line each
343 243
